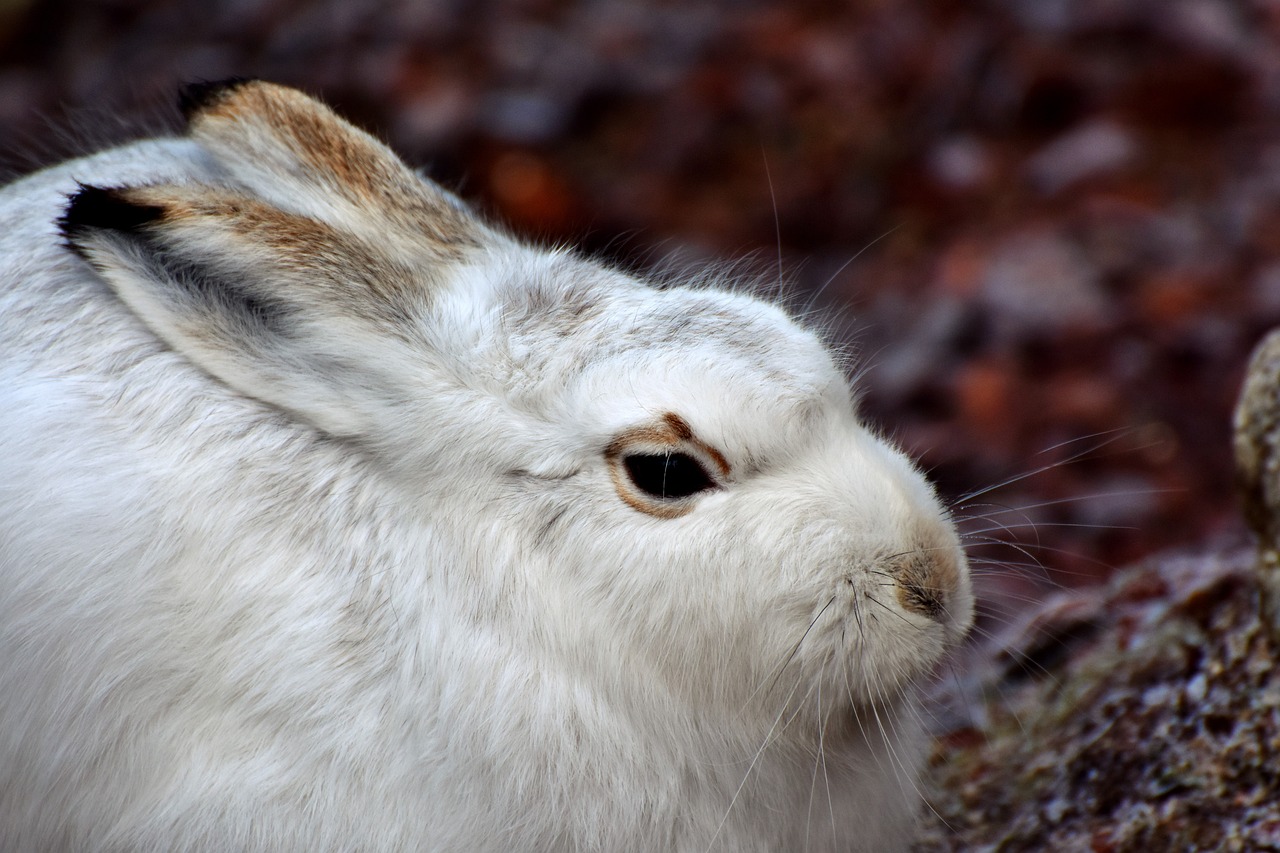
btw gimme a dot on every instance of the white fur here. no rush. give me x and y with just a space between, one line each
227 623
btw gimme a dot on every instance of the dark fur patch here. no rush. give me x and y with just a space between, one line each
252 118
105 208
231 300
926 579
139 226
201 94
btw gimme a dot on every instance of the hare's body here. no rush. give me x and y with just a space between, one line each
324 526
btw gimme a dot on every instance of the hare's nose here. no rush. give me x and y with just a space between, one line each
928 578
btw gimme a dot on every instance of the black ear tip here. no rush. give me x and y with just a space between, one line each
199 94
104 207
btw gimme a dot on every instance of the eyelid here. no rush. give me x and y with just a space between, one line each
667 434
671 433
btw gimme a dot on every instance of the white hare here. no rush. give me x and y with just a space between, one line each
332 518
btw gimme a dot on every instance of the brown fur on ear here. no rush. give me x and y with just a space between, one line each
281 307
260 254
297 154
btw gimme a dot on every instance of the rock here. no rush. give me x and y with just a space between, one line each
1142 715
1257 449
1095 149
1039 283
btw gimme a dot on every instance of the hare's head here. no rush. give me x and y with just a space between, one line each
671 479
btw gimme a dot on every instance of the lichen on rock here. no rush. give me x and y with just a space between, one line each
1139 716
1257 450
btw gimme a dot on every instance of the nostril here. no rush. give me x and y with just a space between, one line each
925 581
923 599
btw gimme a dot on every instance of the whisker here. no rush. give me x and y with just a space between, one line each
777 673
1057 525
754 761
1091 496
1116 434
813 300
1075 457
906 772
1050 549
777 223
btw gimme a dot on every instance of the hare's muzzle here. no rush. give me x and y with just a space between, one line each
932 580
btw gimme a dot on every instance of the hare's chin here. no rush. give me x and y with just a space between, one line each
854 723
851 720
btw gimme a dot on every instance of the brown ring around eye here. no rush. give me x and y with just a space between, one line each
640 459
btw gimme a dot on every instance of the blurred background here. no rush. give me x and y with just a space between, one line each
1050 229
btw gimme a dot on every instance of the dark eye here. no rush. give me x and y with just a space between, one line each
667 476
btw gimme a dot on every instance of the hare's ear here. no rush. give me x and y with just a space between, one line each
280 307
296 154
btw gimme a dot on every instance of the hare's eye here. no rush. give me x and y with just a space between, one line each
667 476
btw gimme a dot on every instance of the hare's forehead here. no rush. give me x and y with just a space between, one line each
691 351
581 329
680 330
724 334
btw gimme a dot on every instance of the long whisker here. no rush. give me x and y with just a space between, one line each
1075 457
1049 549
1057 525
904 771
817 293
771 680
777 223
1083 498
746 776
